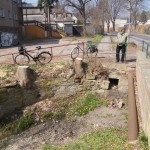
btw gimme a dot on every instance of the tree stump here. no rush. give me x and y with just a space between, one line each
25 76
79 71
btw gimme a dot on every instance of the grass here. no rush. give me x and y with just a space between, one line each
81 106
105 139
25 122
143 141
96 40
75 107
16 126
8 68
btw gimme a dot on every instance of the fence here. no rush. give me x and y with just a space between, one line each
62 51
145 47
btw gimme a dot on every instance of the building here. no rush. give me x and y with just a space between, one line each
10 22
38 24
10 15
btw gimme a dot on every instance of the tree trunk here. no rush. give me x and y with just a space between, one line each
108 25
113 23
84 23
25 77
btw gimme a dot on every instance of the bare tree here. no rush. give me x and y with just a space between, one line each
104 14
133 6
79 5
115 7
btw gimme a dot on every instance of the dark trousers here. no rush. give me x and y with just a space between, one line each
123 48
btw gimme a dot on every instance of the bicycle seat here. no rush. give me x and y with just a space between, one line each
38 47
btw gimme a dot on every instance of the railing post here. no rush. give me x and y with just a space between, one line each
147 51
52 51
13 58
142 45
83 49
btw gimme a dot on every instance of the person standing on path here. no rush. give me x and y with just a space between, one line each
122 40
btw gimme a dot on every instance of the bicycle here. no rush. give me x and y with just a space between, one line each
24 56
91 50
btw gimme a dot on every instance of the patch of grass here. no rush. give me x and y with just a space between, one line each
97 39
47 83
13 127
8 68
143 141
85 104
106 139
25 122
53 115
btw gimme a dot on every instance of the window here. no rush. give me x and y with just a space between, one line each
15 16
2 14
9 14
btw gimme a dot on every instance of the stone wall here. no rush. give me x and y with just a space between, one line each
143 82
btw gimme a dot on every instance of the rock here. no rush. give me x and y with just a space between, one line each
112 105
114 87
90 77
100 91
77 80
71 74
114 75
80 89
120 104
105 85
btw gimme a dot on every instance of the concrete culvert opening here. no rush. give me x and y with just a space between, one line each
113 83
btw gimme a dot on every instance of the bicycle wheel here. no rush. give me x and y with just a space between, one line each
75 53
91 51
44 57
22 59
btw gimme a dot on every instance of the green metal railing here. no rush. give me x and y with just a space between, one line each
145 47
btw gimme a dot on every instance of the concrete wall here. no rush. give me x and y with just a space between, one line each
33 31
68 29
143 81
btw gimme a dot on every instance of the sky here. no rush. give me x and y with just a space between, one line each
147 2
31 1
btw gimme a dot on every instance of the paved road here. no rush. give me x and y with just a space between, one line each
139 38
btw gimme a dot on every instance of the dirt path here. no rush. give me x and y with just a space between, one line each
62 132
